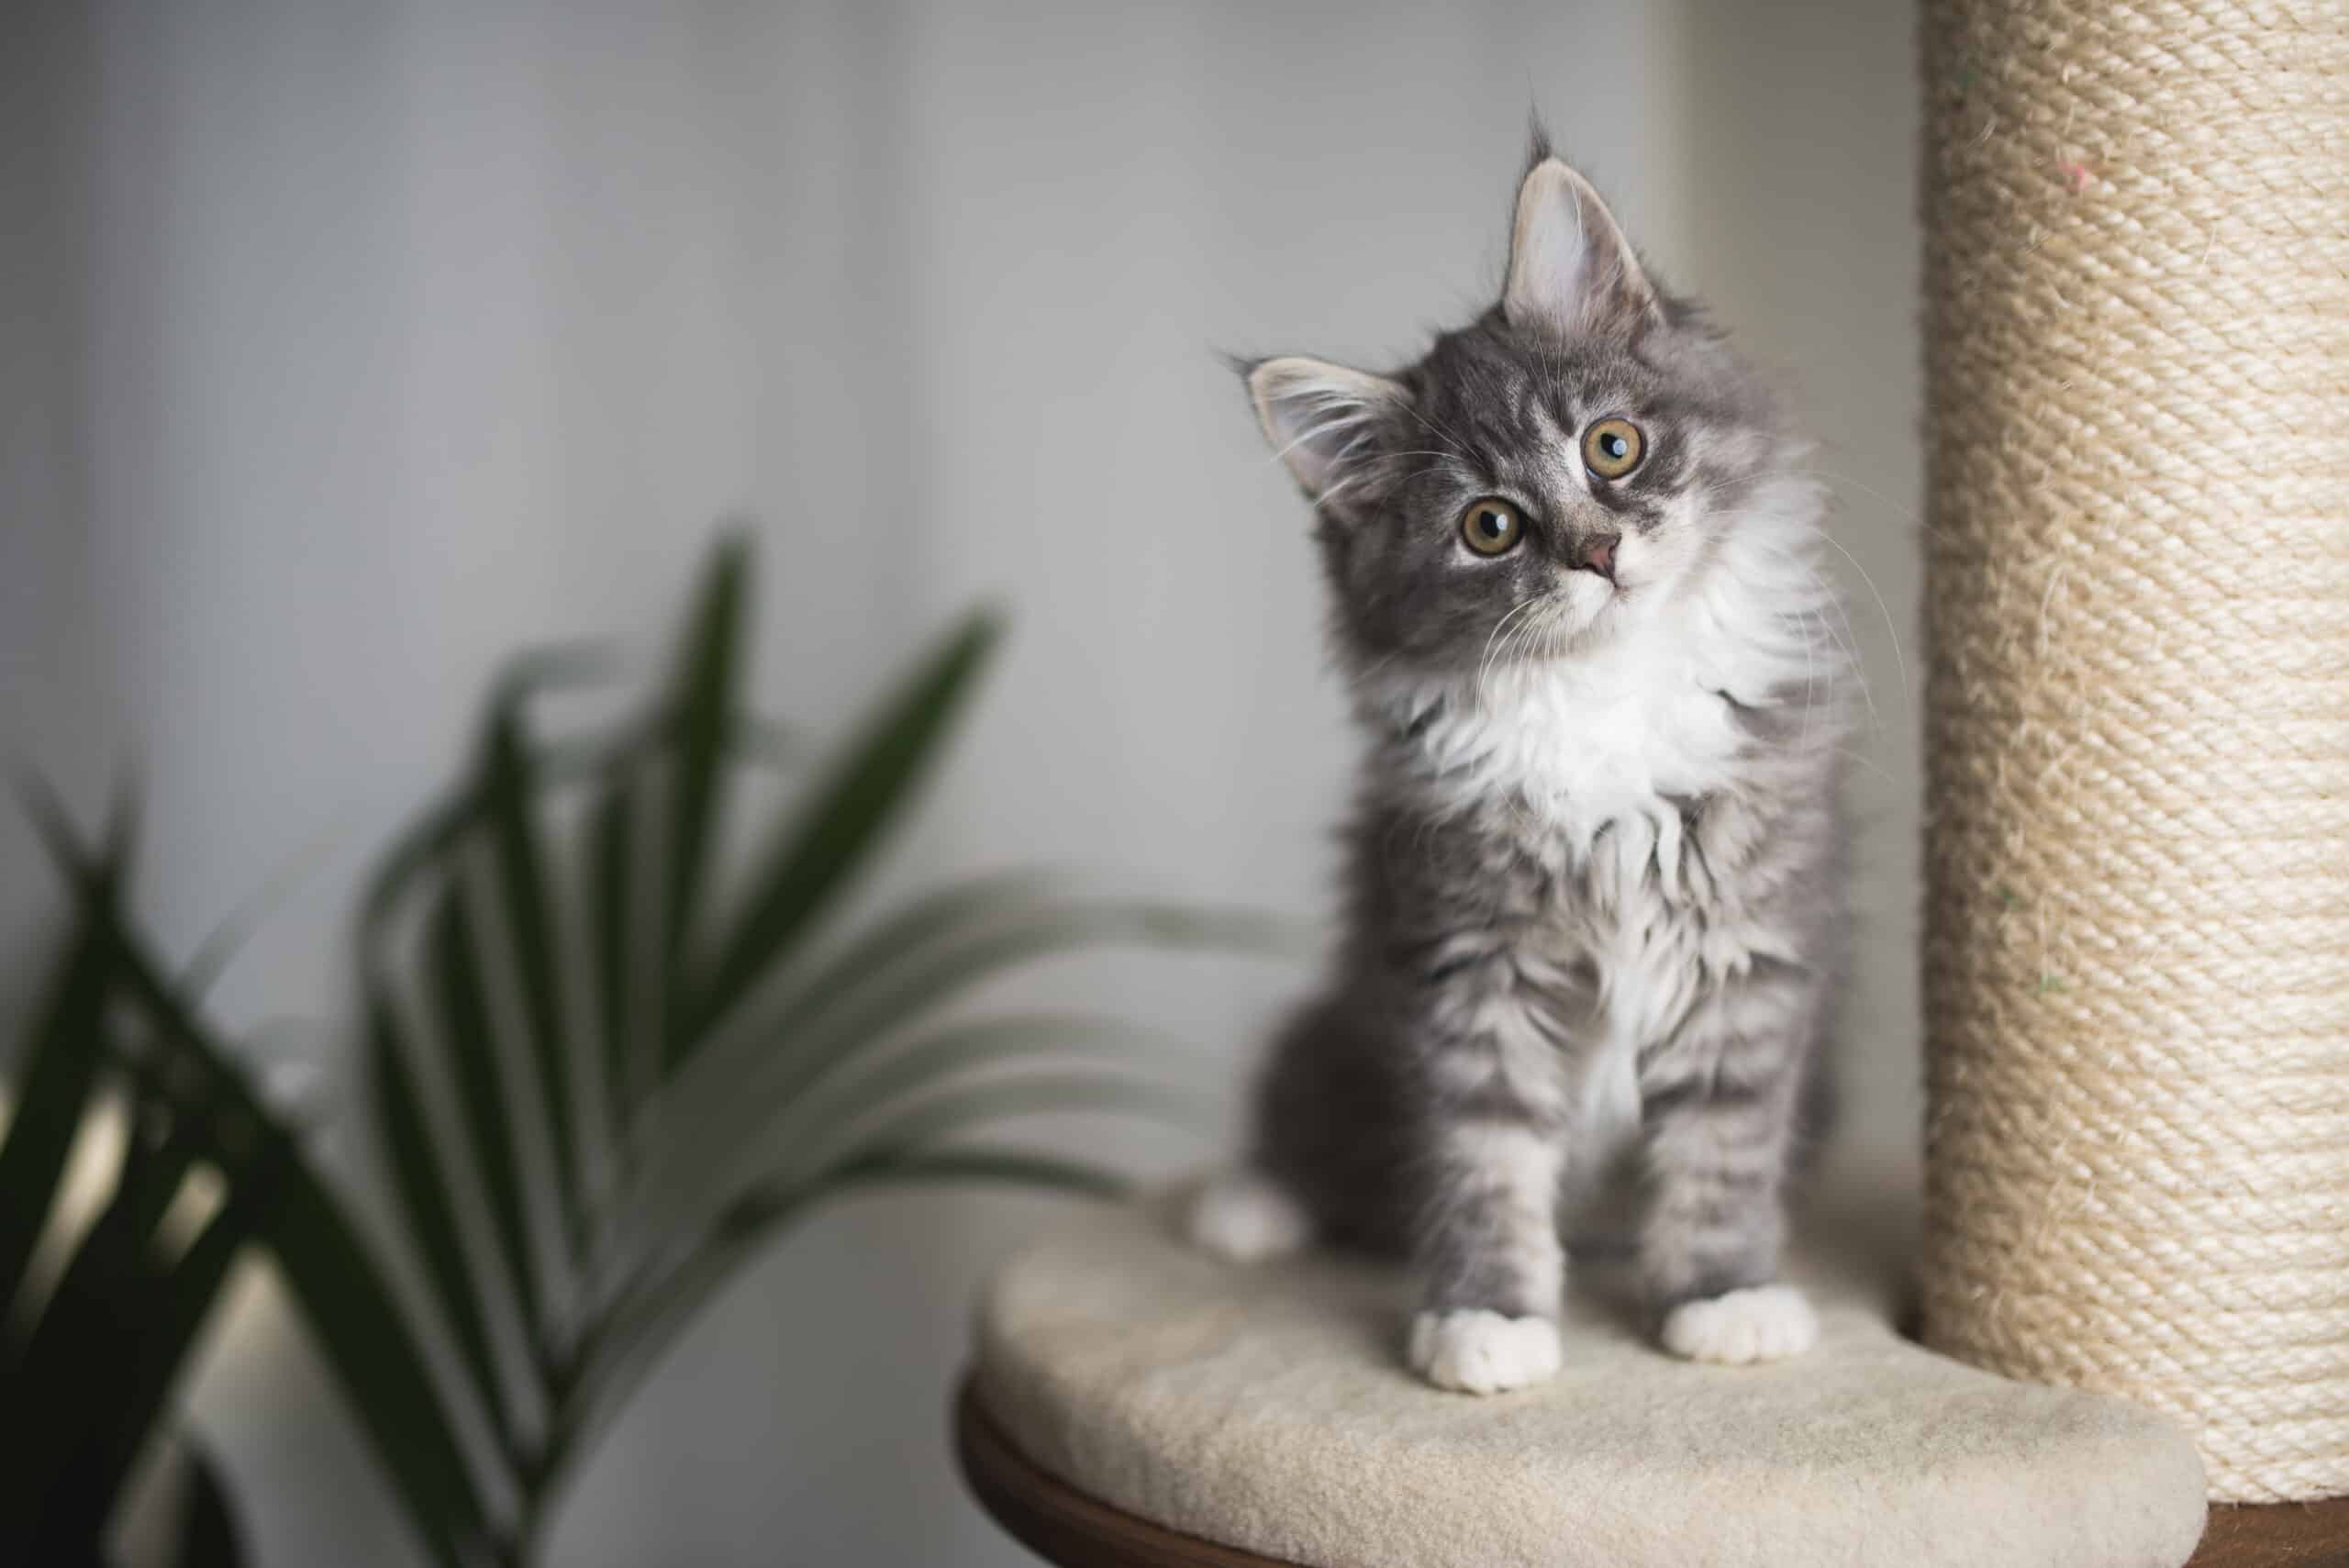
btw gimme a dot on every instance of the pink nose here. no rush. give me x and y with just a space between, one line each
1597 554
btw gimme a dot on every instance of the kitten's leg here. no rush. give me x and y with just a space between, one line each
1721 1104
1495 1268
1490 1158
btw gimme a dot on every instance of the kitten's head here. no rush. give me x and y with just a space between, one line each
1574 457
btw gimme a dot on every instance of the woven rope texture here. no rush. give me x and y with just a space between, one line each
2137 931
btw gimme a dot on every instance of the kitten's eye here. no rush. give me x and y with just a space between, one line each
1612 448
1491 526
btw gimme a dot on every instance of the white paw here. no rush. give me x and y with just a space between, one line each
1245 1218
1767 1323
1483 1352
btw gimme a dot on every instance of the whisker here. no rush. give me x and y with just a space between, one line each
1877 768
1847 640
1484 661
1899 660
1851 661
1459 446
1901 512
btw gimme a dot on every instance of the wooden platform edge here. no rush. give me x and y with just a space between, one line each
1062 1525
2276 1535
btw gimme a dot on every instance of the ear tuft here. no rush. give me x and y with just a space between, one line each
1537 142
1322 418
1571 270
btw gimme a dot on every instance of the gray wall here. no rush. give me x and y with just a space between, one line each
348 346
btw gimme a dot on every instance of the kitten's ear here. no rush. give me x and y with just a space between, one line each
1322 418
1570 269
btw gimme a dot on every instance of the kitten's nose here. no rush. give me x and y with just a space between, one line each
1595 552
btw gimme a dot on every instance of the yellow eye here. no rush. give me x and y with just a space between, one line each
1612 448
1491 526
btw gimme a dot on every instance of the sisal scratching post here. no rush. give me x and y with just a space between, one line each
2137 929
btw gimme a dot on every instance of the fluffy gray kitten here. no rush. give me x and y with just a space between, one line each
1594 894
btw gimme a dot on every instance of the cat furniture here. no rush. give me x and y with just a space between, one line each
2134 1280
2137 716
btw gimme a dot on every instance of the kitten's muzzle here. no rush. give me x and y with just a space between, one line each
1595 552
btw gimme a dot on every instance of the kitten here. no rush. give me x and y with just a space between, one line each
1594 883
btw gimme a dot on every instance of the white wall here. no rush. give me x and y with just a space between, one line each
348 346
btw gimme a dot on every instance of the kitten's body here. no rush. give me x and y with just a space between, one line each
1594 890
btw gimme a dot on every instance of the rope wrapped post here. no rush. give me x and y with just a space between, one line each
2136 959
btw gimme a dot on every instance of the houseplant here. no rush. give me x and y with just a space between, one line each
102 1299
603 1076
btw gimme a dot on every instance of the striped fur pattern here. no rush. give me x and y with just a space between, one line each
1594 898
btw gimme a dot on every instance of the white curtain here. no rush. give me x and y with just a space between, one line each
346 346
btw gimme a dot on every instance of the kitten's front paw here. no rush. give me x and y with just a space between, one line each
1766 1323
1242 1217
1483 1352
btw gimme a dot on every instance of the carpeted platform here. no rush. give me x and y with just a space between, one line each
1268 1407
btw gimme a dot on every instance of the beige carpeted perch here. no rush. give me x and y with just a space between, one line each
2137 948
1268 1407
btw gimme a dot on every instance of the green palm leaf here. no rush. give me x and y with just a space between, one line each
703 697
88 1370
73 1365
348 1307
850 1098
57 1071
840 823
207 1532
511 792
326 1266
726 1108
454 980
633 1346
621 973
808 1176
442 824
912 963
431 1217
855 1085
172 1297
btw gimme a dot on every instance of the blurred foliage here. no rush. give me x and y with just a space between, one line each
605 1075
104 1294
602 1076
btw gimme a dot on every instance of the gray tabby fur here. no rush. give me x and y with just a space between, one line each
1594 887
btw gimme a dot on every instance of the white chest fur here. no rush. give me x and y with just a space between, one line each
1623 736
1607 754
1603 754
